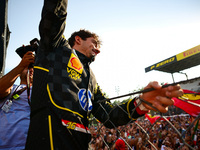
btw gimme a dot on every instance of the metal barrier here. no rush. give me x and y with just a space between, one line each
176 132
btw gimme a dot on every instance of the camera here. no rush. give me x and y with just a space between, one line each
34 44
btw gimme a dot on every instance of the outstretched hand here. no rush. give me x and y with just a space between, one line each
160 98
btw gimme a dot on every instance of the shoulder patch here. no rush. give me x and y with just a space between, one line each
75 63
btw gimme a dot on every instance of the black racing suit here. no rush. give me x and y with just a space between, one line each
65 90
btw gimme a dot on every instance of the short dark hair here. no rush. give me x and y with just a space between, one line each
83 34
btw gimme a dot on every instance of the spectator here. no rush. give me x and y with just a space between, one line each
170 138
14 104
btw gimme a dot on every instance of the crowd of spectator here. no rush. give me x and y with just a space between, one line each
161 134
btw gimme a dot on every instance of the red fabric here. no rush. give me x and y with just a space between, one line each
191 109
120 145
154 118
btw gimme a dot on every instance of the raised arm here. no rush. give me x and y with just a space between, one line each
7 81
52 24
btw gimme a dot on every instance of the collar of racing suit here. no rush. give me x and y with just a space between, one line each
84 59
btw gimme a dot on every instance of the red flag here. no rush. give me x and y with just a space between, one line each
154 118
189 102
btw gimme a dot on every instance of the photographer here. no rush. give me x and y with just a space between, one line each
15 103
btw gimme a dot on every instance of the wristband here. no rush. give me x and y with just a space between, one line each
140 109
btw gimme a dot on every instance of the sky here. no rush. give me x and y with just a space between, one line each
135 34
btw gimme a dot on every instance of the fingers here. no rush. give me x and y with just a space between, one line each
174 91
164 101
170 91
29 56
27 59
153 84
160 104
161 108
160 98
157 107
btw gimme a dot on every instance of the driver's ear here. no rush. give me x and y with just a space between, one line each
78 40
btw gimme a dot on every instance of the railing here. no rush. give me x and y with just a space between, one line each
171 132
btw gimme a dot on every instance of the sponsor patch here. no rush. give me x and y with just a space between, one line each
74 67
85 99
75 64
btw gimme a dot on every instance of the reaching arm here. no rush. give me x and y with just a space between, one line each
160 98
8 80
108 114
